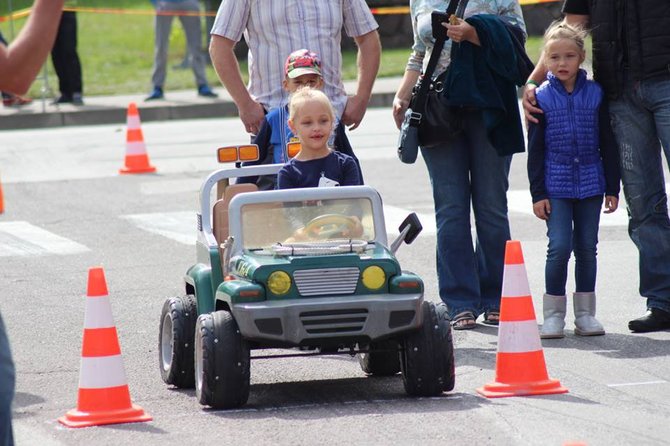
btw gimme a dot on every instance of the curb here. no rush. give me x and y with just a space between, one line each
113 109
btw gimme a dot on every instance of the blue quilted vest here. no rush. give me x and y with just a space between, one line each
572 166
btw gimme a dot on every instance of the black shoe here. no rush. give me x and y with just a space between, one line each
77 99
654 320
62 99
156 93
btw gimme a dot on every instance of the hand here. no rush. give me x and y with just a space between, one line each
399 108
529 103
252 115
461 31
542 209
354 111
611 204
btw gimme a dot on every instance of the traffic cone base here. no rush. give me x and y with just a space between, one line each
104 397
136 159
77 418
520 365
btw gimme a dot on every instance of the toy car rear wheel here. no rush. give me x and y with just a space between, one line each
428 356
382 359
221 362
175 341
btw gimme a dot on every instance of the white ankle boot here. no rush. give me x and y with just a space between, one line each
553 310
585 310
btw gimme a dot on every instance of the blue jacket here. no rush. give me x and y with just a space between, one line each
576 149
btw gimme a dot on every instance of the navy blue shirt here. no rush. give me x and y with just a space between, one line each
336 167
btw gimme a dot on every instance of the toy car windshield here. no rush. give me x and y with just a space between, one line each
308 227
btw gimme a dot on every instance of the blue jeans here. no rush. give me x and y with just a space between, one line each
641 123
462 172
7 379
572 227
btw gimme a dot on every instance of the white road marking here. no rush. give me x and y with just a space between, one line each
178 226
20 238
642 383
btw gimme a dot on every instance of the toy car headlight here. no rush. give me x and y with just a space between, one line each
373 277
279 282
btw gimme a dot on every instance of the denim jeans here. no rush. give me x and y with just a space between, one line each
641 123
7 379
462 172
572 227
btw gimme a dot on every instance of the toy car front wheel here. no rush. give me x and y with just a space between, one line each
175 341
382 358
221 362
428 356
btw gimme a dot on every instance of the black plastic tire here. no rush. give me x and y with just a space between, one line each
175 341
221 362
383 359
428 358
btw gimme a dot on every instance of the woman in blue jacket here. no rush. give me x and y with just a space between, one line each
572 163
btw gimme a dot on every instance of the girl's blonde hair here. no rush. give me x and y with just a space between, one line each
562 30
304 95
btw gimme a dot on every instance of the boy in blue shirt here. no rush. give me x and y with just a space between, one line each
302 69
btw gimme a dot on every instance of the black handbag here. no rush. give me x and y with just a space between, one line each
429 119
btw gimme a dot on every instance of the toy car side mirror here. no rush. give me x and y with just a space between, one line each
409 230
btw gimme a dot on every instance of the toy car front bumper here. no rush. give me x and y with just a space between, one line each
301 320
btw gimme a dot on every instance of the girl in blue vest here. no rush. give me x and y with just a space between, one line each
572 164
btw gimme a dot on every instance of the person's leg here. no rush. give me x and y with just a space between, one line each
7 382
59 61
449 170
585 242
162 27
489 174
193 31
639 118
70 76
559 232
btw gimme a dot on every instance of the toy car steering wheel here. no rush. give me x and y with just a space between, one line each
329 225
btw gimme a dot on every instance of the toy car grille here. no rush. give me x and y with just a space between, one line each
326 281
349 320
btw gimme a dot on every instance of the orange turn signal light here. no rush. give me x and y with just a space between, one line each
232 154
293 148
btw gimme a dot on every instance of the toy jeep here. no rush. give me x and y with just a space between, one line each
303 269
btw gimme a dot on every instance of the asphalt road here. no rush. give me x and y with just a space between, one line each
67 209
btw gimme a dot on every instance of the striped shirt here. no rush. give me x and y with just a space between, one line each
273 29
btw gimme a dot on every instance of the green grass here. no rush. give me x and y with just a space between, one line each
116 51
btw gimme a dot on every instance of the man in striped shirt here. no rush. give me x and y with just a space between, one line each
273 30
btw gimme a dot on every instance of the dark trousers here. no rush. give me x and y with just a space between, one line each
64 56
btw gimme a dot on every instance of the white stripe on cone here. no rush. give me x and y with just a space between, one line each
133 121
135 148
98 313
102 372
515 281
518 337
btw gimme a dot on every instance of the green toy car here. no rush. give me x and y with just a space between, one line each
304 269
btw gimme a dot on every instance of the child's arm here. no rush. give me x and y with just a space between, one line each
350 175
538 191
610 156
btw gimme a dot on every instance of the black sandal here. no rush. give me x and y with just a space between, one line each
464 321
492 317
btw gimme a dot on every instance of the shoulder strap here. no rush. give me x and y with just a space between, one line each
420 100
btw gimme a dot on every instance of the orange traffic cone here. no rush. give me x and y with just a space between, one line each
520 367
2 200
104 397
137 160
